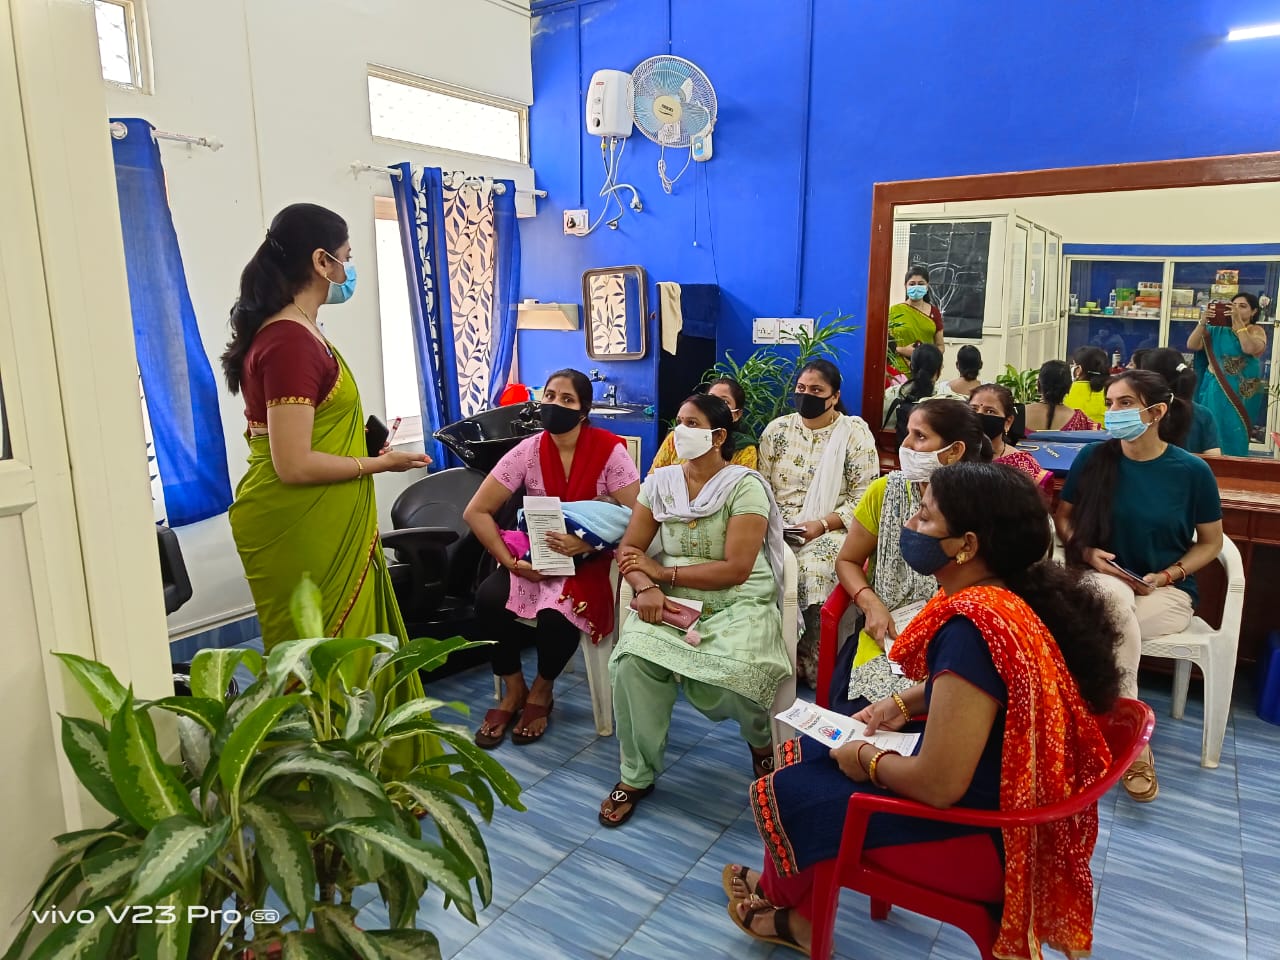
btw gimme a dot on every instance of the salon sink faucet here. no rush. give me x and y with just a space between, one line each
610 397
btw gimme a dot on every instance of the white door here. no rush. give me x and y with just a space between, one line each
1018 300
77 546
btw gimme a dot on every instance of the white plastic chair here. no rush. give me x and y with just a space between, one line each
786 694
596 657
1214 652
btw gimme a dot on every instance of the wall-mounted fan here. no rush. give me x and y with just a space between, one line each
674 105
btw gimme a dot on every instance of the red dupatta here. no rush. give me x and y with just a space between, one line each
1053 749
589 590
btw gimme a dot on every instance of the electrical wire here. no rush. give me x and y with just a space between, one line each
611 158
667 184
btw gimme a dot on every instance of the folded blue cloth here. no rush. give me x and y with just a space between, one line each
597 522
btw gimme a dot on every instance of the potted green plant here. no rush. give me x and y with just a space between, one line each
768 375
282 790
1024 386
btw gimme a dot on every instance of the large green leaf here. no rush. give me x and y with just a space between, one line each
79 941
85 744
103 871
291 658
430 860
170 940
97 681
197 746
358 941
309 946
206 712
315 763
327 658
306 608
481 795
481 762
284 855
147 786
401 890
347 803
175 851
406 944
244 742
362 708
212 669
426 654
454 822
420 708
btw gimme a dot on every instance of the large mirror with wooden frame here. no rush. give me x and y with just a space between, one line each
1033 265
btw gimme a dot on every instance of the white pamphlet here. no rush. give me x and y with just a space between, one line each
901 617
835 729
543 515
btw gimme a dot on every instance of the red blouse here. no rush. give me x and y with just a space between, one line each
285 364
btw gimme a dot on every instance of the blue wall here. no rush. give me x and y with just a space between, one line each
817 103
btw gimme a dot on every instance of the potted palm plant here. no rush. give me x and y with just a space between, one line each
281 807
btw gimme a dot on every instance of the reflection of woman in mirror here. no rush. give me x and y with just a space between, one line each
1231 383
575 461
1189 425
969 364
819 461
994 405
1050 412
915 321
1091 368
926 366
744 443
1138 504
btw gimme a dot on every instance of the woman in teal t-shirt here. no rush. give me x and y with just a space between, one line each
1137 504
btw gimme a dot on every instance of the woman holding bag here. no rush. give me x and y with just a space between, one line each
720 544
575 461
819 461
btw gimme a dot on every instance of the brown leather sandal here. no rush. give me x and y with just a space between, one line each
762 761
495 718
1140 781
619 796
530 713
735 873
781 923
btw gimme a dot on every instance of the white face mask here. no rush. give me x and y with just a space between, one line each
691 442
917 465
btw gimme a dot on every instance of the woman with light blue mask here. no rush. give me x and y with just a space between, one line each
1141 517
915 321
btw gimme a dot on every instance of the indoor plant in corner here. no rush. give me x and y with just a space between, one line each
281 791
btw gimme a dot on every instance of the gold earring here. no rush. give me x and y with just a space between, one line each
961 557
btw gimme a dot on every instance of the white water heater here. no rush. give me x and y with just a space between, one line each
609 104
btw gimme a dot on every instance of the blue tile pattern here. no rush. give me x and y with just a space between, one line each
1193 874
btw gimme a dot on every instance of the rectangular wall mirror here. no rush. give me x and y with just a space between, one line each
615 304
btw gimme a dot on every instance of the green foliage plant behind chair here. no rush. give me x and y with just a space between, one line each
768 376
280 792
1024 386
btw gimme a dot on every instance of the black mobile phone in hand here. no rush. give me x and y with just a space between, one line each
376 435
1128 574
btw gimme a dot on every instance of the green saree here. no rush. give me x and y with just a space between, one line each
329 531
907 325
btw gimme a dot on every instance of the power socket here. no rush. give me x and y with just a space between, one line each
576 223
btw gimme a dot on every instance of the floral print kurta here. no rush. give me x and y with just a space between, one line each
789 455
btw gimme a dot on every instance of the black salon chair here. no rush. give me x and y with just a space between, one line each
177 591
481 441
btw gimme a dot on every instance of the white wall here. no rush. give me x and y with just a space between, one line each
282 85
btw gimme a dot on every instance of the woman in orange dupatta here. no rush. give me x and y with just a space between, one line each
1016 658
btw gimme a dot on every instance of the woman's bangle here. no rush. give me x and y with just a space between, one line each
652 586
673 575
1178 564
902 705
871 767
359 468
858 754
857 593
826 527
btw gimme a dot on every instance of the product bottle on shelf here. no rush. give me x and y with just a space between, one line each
1111 301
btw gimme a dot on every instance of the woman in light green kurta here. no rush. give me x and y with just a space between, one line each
720 543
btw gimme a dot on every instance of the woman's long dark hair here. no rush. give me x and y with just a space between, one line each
1003 508
829 372
926 365
1091 513
923 273
719 416
279 268
953 420
1093 361
969 361
1055 381
1180 378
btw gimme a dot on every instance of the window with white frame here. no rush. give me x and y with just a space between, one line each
415 110
122 42
399 356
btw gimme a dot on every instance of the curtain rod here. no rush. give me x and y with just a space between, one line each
359 167
119 131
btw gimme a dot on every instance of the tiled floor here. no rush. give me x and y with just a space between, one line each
1194 874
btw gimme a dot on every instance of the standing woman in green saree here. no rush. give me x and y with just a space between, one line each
915 321
306 504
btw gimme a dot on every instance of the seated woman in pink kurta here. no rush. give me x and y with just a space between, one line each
574 461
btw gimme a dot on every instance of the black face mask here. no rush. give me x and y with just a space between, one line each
992 425
809 406
557 419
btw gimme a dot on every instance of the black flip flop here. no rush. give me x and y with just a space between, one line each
619 796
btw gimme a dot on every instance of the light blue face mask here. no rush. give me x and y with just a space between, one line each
1125 424
342 292
916 291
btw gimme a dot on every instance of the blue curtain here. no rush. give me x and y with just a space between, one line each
181 394
462 253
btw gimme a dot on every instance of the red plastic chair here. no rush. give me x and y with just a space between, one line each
1127 729
829 641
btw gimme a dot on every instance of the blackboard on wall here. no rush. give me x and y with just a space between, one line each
956 255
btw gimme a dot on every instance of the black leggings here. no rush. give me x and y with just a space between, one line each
555 637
